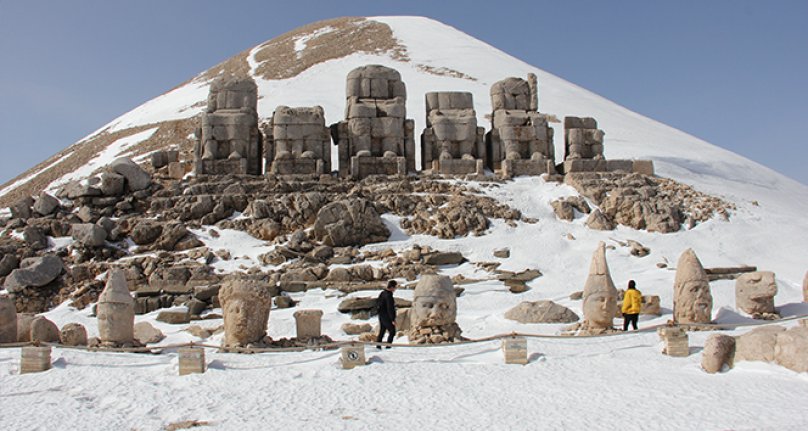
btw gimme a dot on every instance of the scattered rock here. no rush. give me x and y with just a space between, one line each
443 258
136 177
145 333
502 253
349 222
90 235
356 328
541 312
599 221
45 204
174 317
282 301
34 272
44 331
638 249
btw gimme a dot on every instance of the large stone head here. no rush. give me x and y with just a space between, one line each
375 82
434 302
116 310
600 295
754 292
245 305
692 300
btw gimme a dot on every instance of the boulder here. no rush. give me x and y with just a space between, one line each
356 304
791 350
8 320
44 331
73 334
502 253
541 312
349 222
8 263
650 305
282 301
563 209
34 238
444 258
34 272
22 208
599 221
356 328
719 350
136 177
174 317
146 232
757 344
90 235
45 204
145 333
24 321
111 184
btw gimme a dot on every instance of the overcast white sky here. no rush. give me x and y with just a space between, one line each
730 72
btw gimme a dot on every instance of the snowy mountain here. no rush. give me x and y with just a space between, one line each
568 384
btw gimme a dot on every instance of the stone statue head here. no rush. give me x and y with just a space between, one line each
692 300
434 302
754 292
245 305
600 295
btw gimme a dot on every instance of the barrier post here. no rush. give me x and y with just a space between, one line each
192 360
515 350
352 355
35 359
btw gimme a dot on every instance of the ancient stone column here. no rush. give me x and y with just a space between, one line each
116 311
600 295
308 323
245 305
692 300
434 311
8 320
754 293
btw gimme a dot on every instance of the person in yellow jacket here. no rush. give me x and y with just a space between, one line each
632 302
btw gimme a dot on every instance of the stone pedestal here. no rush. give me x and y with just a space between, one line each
192 360
35 359
515 350
298 166
308 323
363 166
458 167
352 356
676 341
515 168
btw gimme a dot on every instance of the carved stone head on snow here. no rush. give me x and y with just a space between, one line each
434 302
245 305
600 295
754 292
692 300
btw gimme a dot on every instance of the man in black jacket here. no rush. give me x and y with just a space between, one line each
386 305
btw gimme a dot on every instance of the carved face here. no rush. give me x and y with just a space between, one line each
245 321
437 309
599 309
694 303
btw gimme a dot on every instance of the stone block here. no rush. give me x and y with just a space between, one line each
515 168
177 170
364 166
626 166
352 356
515 350
676 341
644 167
584 165
307 323
35 359
191 360
458 167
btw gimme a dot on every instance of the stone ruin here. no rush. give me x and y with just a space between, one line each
520 141
228 140
116 312
754 294
452 144
245 306
297 142
434 311
772 343
600 296
692 300
376 138
583 150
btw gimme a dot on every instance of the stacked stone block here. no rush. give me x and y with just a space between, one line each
228 141
297 142
376 138
583 150
452 143
520 141
676 341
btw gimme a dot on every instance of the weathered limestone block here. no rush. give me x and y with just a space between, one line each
297 142
88 234
676 341
451 143
44 331
228 140
791 350
356 328
191 360
35 359
541 312
434 311
136 177
307 323
116 311
8 320
375 138
112 184
349 222
600 295
352 356
73 334
520 141
145 333
599 221
34 272
757 344
692 300
45 204
245 305
754 293
719 350
515 350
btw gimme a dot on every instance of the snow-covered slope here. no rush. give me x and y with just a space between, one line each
570 383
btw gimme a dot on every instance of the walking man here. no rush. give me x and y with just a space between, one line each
387 313
632 302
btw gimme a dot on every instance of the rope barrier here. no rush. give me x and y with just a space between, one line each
338 344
